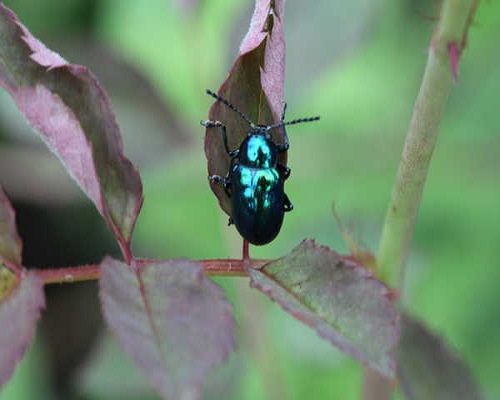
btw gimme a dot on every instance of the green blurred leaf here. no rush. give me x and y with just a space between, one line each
428 369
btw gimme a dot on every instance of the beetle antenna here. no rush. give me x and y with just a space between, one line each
292 122
232 107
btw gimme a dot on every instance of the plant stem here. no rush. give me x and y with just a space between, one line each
216 267
69 274
437 84
440 74
245 250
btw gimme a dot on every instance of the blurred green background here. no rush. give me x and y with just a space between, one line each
357 64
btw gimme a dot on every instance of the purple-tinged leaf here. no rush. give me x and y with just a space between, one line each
19 312
428 369
340 299
174 322
144 111
72 112
10 243
255 85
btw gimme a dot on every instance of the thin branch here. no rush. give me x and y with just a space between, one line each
440 75
69 274
215 267
437 83
245 250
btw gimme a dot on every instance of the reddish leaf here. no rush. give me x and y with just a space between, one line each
255 85
10 243
338 298
174 322
19 312
144 111
429 369
72 112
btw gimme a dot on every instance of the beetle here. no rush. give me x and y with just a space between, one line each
255 179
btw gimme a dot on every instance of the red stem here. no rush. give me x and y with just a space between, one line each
246 251
69 274
216 267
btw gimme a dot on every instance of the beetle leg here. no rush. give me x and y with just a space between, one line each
218 124
285 146
230 221
211 124
284 171
226 183
287 205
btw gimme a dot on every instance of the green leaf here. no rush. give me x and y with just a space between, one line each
428 369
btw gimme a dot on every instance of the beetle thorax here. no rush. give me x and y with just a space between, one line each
258 151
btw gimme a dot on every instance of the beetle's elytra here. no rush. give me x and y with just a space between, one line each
255 180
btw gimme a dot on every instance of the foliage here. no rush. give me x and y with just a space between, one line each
172 321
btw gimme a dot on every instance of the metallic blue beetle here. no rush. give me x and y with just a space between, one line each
255 180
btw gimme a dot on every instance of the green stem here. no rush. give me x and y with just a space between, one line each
441 70
436 87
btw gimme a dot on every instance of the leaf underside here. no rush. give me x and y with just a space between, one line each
255 84
172 321
67 106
